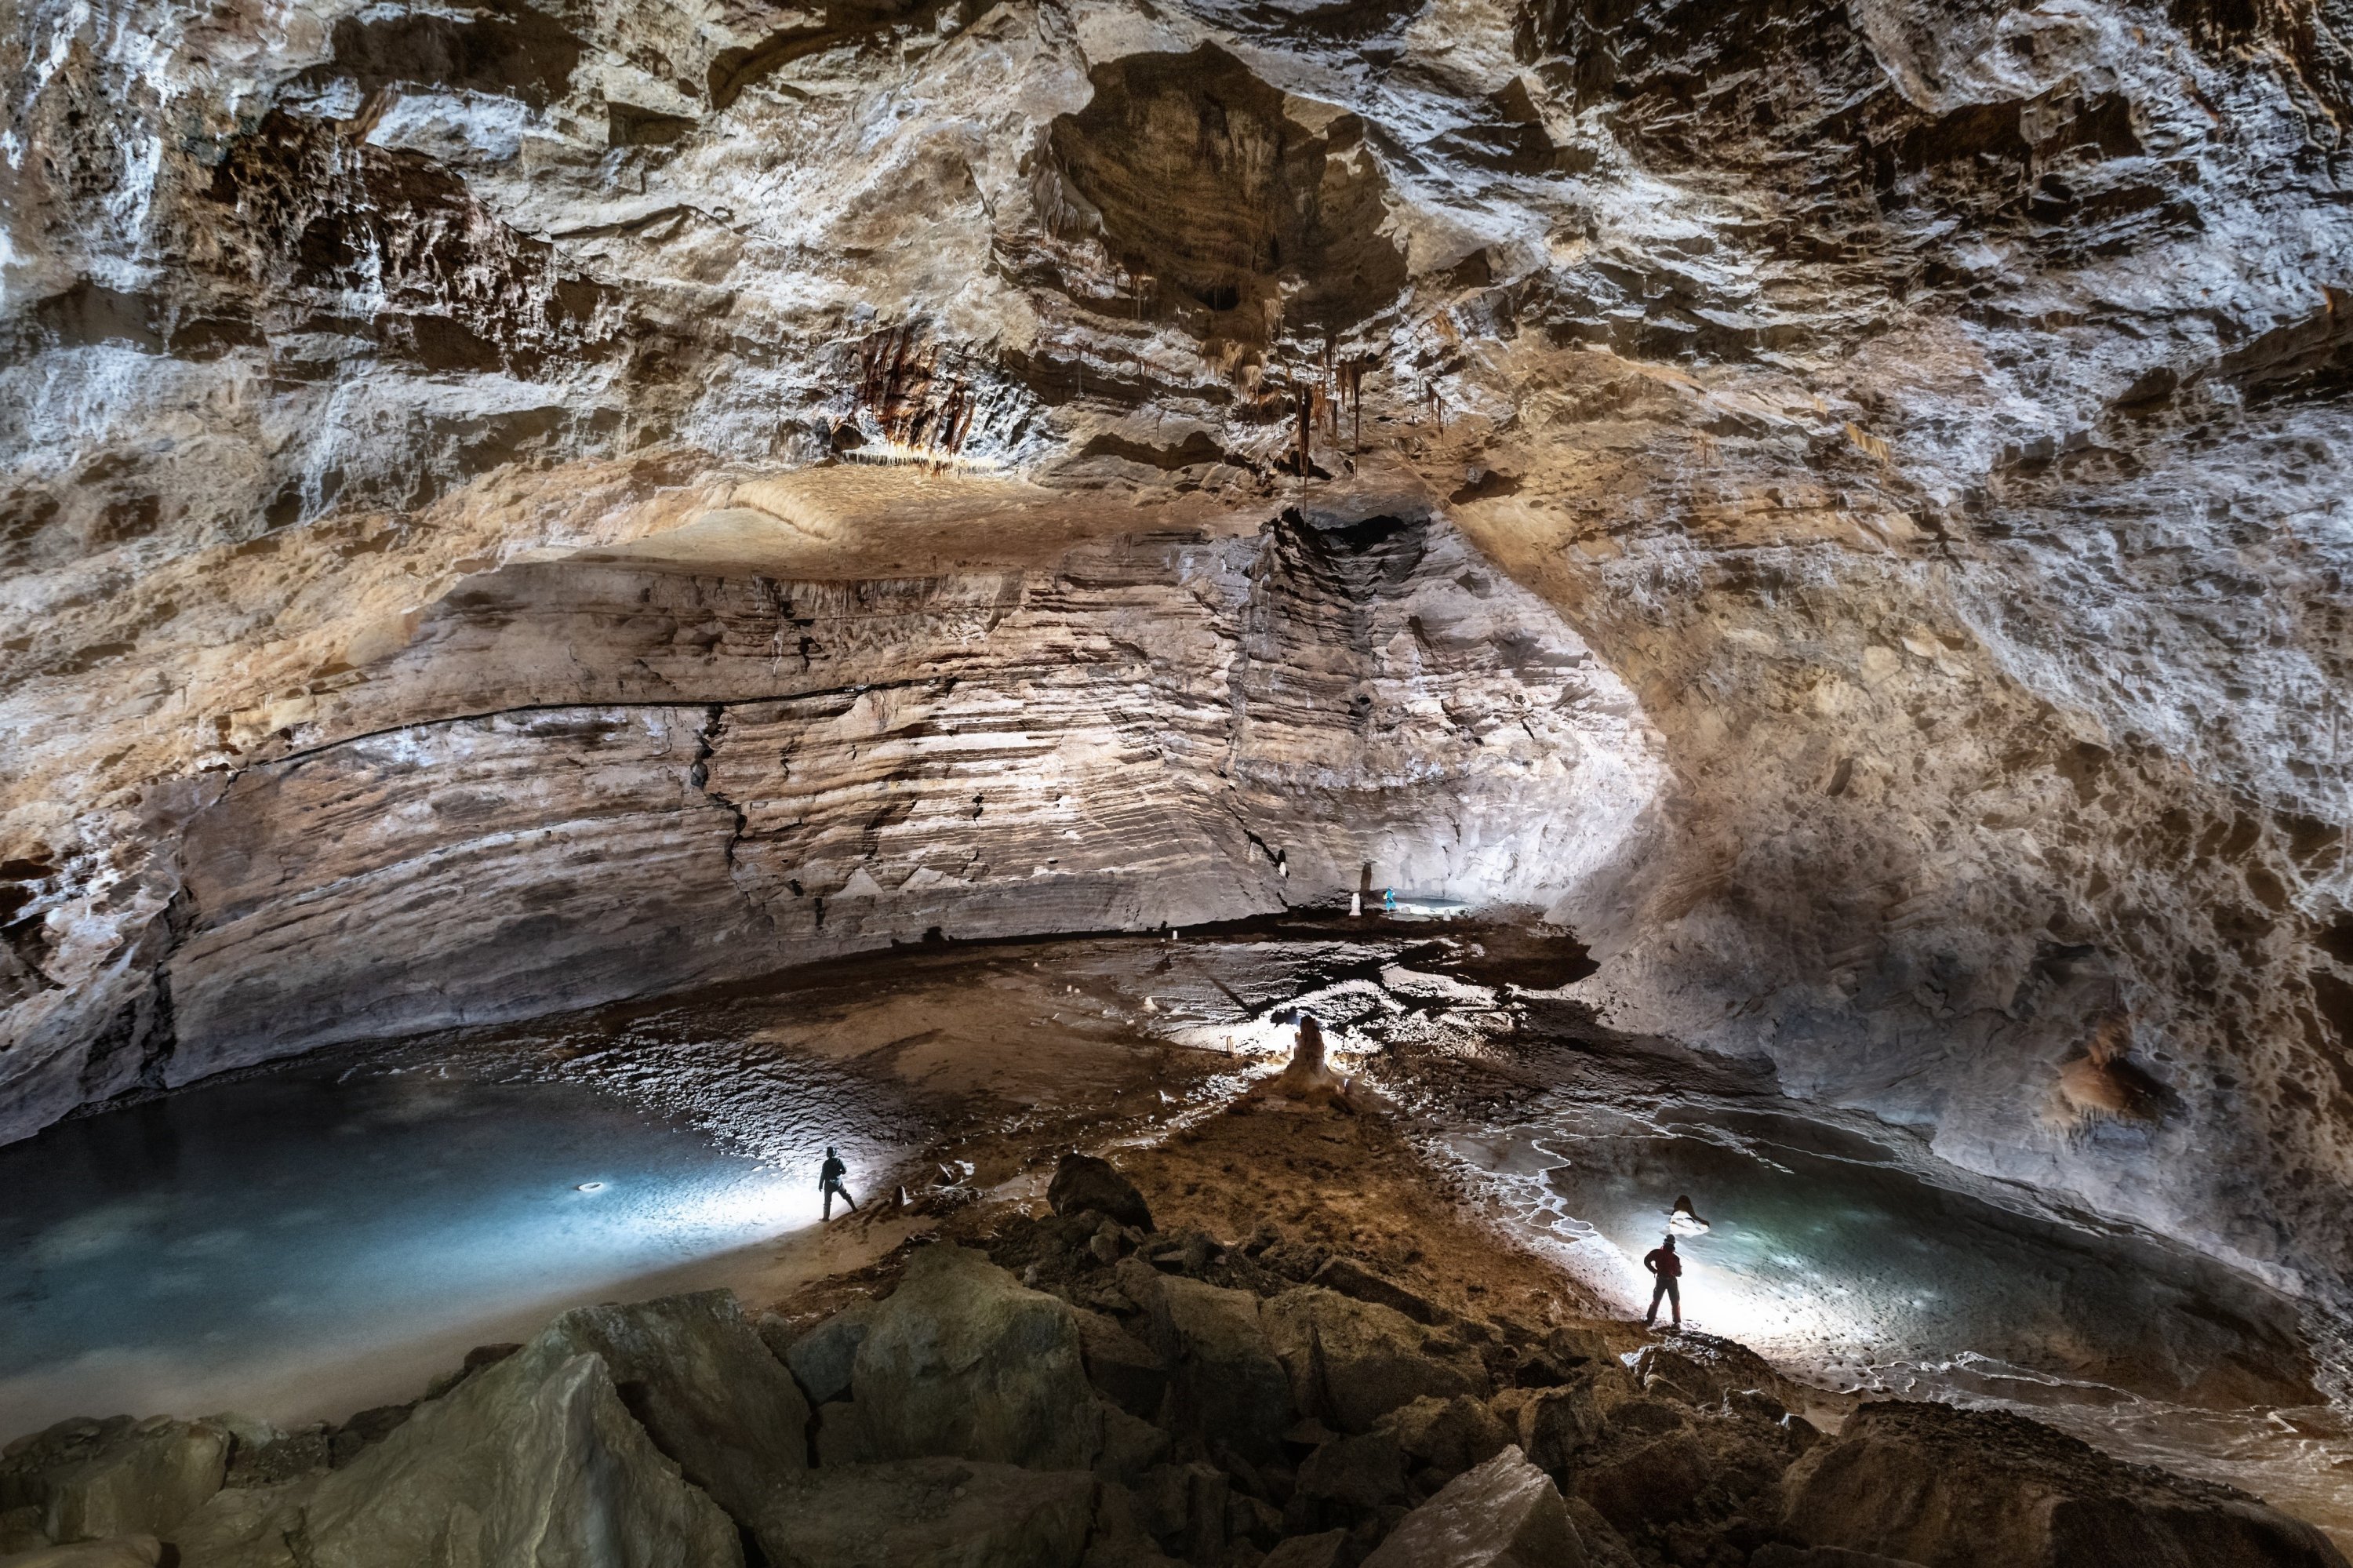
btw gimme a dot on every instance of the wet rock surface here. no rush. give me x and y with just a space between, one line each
1007 1054
669 1432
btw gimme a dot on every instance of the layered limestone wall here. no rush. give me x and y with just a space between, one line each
622 773
1918 430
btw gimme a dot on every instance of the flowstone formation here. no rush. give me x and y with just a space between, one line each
1843 506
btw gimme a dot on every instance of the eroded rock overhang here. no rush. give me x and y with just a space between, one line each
623 771
1935 413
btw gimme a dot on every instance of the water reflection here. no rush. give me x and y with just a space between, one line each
238 1244
1838 1255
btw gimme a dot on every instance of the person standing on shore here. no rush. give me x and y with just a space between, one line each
829 1181
1662 1262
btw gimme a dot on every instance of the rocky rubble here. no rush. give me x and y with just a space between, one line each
1183 1400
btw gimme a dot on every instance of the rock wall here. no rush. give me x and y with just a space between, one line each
1932 416
615 775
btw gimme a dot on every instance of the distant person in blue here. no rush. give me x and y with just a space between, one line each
829 1181
1662 1262
1389 900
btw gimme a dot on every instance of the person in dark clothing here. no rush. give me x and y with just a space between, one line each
829 1181
1662 1262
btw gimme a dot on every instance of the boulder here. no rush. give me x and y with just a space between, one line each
1573 1347
1779 1556
1667 1374
933 1512
1323 1551
1354 1361
1130 1446
527 1463
1349 1277
1183 1506
1604 1547
140 1479
1449 1435
1120 1538
1954 1488
1081 1183
20 1529
1248 1519
1556 1423
1357 1474
121 1552
1123 1369
1227 1382
700 1381
822 1360
246 1527
1642 1417
1506 1513
962 1362
1724 1367
25 1461
1649 1483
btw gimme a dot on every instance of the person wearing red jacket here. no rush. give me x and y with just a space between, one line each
1662 1262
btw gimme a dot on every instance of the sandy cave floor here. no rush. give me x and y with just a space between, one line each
1521 1158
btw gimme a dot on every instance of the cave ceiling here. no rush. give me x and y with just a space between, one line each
1843 506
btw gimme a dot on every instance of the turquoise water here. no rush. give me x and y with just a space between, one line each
299 1242
1852 1262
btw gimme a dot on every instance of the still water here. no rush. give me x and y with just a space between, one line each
1848 1260
302 1244
297 1244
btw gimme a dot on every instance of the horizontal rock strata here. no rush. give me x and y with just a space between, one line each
652 777
1935 414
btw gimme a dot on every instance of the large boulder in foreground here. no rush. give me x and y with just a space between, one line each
1505 1514
699 1379
101 1480
940 1513
964 1362
1227 1385
1971 1489
1354 1361
1082 1182
527 1464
